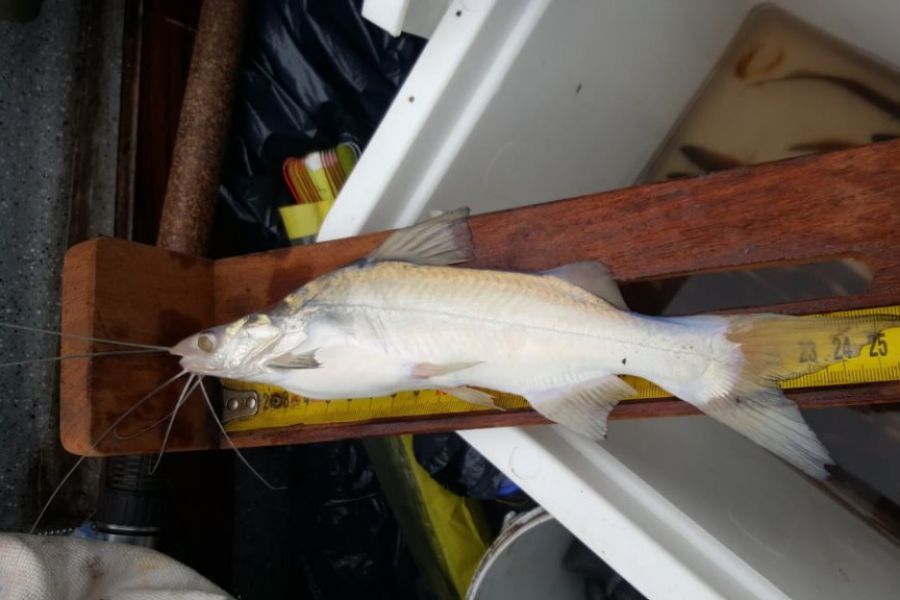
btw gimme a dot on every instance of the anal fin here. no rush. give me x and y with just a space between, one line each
584 406
472 396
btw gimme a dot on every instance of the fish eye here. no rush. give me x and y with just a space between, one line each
206 343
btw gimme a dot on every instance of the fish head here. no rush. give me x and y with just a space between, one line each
235 350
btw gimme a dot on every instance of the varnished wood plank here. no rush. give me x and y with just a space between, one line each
125 291
804 210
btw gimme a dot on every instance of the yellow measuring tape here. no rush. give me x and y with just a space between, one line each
274 407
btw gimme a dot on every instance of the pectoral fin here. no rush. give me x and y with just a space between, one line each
592 277
306 360
582 407
442 240
428 370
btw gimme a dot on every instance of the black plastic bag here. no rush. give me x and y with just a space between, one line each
313 74
330 534
460 468
349 542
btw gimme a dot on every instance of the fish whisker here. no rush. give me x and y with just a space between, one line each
145 428
190 385
135 406
75 336
240 455
55 492
95 443
43 359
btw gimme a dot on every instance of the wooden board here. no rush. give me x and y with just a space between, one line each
124 291
839 205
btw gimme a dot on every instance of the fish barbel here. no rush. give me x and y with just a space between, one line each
403 319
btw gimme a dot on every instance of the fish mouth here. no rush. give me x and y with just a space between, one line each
194 365
192 357
184 348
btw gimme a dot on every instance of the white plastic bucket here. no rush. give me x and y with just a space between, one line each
525 562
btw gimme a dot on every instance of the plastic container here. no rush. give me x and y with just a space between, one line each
514 103
526 562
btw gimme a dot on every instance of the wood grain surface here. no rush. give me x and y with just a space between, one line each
125 291
839 205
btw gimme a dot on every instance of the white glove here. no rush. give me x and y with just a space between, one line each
65 568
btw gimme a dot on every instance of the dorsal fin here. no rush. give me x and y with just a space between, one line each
593 277
442 240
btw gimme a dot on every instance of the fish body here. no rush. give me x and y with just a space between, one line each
385 322
403 319
854 86
708 160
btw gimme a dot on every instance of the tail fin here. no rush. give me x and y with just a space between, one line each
768 348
